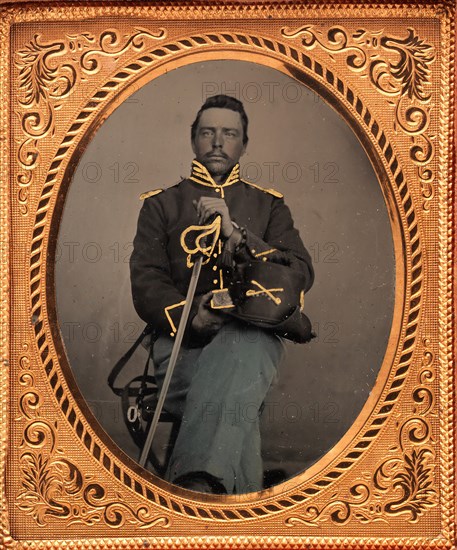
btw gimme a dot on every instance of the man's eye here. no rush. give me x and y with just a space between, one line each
206 133
230 133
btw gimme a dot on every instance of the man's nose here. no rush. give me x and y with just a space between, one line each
218 139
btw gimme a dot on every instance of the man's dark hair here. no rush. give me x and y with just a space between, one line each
222 101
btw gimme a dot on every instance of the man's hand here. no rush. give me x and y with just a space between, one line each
207 321
207 206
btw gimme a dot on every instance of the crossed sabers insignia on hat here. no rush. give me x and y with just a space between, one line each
263 290
203 242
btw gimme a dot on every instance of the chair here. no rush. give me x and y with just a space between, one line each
147 413
139 400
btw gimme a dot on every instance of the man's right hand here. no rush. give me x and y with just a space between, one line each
208 321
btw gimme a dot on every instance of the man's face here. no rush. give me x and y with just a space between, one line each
218 143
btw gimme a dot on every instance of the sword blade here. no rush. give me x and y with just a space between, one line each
173 359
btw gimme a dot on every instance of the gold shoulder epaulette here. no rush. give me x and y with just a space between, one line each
150 194
265 190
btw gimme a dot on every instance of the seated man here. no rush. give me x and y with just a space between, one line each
226 365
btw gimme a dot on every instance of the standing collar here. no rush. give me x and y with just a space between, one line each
201 175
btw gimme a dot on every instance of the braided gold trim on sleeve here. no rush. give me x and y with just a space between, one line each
168 316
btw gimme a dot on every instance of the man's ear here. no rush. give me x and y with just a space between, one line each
193 146
245 146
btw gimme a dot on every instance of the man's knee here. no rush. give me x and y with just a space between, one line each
251 340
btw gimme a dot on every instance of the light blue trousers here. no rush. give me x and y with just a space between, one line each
218 391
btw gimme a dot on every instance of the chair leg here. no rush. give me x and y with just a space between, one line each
159 467
176 424
155 463
153 459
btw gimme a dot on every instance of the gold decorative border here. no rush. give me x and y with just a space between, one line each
447 282
5 530
37 244
44 86
411 235
410 469
402 483
406 79
53 485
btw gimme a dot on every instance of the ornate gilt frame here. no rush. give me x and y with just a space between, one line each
387 69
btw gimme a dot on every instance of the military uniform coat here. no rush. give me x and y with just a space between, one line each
160 266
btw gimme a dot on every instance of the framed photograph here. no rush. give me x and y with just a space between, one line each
227 295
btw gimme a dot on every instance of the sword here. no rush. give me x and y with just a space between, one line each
173 359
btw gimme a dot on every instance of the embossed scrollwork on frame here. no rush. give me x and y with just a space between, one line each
403 483
400 486
54 486
423 396
133 69
339 511
29 400
398 468
411 479
399 68
47 77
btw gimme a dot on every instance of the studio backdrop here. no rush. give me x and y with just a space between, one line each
299 146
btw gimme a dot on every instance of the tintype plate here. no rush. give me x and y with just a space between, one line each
350 110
